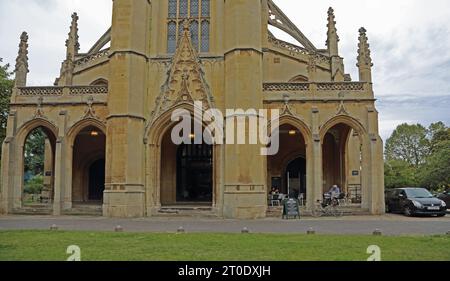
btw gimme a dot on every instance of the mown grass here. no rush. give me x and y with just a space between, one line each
105 246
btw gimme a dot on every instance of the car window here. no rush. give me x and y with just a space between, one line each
418 193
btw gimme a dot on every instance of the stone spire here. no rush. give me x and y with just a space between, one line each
332 37
72 44
364 59
21 69
72 48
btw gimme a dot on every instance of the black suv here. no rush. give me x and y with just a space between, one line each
414 201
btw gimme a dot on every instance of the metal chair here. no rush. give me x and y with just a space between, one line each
301 198
275 200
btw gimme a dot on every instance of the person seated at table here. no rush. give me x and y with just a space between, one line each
335 192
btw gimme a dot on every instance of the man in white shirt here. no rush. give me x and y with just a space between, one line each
335 192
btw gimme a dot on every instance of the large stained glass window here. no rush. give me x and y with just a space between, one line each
198 13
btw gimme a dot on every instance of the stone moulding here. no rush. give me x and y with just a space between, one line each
92 58
286 86
90 90
333 86
40 91
294 49
59 91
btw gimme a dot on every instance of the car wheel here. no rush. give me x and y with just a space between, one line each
441 215
408 212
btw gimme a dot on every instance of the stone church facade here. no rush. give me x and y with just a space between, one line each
108 121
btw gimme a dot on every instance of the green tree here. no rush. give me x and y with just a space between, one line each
35 151
435 174
6 86
399 173
408 143
34 185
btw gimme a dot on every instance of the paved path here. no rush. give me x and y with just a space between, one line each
389 224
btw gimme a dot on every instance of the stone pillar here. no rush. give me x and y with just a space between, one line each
59 170
7 169
124 188
377 202
317 171
245 192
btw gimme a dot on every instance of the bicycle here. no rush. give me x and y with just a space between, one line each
327 209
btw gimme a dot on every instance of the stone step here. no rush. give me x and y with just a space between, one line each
29 211
186 211
85 210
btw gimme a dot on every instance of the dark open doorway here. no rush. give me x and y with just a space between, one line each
194 173
295 183
97 180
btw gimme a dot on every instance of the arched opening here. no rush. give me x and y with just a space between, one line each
342 161
296 177
88 168
186 175
100 82
38 168
96 180
286 170
299 79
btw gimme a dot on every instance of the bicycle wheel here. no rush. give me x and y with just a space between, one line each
317 213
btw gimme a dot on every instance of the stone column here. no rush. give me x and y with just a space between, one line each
377 204
317 170
59 170
245 192
124 188
7 168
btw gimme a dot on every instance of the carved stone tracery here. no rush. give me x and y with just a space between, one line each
185 81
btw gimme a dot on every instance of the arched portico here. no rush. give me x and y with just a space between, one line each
163 162
295 144
344 158
86 147
18 178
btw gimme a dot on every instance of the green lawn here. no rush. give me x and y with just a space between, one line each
103 246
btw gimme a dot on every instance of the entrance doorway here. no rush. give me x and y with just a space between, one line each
97 180
186 174
194 173
88 167
296 178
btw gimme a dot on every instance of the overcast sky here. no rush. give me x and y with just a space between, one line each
410 42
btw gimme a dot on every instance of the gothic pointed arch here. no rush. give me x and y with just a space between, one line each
342 119
76 128
34 123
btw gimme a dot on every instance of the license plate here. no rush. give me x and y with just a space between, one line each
434 208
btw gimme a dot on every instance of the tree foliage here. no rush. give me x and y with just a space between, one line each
6 86
35 185
35 152
418 156
408 143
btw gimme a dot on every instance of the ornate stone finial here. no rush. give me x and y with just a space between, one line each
332 37
72 43
21 69
364 58
72 48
